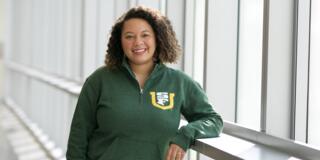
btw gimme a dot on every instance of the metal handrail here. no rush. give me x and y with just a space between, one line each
289 147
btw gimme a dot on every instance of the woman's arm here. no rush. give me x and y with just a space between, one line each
204 122
83 123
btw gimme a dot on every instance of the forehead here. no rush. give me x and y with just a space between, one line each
136 25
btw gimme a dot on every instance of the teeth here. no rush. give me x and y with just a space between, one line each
138 50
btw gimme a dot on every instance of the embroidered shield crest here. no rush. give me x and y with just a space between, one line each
162 100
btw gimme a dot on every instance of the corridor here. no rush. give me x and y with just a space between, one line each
255 62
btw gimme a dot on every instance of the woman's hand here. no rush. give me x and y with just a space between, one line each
175 152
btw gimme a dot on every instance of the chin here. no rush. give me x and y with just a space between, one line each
141 62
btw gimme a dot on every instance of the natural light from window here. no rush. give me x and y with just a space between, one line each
314 81
250 62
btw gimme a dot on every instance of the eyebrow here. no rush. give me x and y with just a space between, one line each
132 32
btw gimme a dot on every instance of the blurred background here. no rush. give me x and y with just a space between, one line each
258 61
1 42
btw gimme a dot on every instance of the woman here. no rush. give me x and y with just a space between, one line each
130 109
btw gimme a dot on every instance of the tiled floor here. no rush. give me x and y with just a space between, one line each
16 142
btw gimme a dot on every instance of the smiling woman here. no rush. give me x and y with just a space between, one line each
138 43
130 109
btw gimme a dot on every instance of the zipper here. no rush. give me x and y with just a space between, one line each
141 95
141 91
145 86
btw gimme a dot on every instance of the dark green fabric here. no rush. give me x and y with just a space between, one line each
115 120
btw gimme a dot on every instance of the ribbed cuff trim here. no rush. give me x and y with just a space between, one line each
183 141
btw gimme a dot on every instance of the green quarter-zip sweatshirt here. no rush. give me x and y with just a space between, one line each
116 120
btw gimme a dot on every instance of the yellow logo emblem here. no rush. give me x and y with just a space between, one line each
162 100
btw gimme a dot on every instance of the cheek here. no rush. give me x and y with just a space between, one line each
152 42
126 45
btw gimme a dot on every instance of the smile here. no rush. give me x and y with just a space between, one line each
139 51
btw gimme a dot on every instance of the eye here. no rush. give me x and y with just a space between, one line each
128 37
145 35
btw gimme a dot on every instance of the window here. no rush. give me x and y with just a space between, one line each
195 39
314 79
250 63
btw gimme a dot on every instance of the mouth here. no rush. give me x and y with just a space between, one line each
139 51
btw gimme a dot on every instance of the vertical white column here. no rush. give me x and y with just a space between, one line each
8 44
106 20
46 38
194 39
199 41
60 14
302 73
279 77
51 57
221 56
90 37
314 86
24 31
188 47
78 38
250 63
175 12
69 26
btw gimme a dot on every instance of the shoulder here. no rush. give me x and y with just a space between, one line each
99 78
179 74
101 74
97 74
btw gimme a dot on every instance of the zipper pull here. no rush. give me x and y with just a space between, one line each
141 91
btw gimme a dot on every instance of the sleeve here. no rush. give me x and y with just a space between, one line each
203 121
83 123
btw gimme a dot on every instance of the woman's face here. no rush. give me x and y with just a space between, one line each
138 41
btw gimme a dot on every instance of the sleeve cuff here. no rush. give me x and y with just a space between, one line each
183 141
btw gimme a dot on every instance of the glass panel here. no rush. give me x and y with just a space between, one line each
249 63
199 41
314 81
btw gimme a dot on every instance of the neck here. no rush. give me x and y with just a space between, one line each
142 72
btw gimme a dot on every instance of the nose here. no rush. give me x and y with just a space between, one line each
138 41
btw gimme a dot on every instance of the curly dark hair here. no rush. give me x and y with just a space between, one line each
167 47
